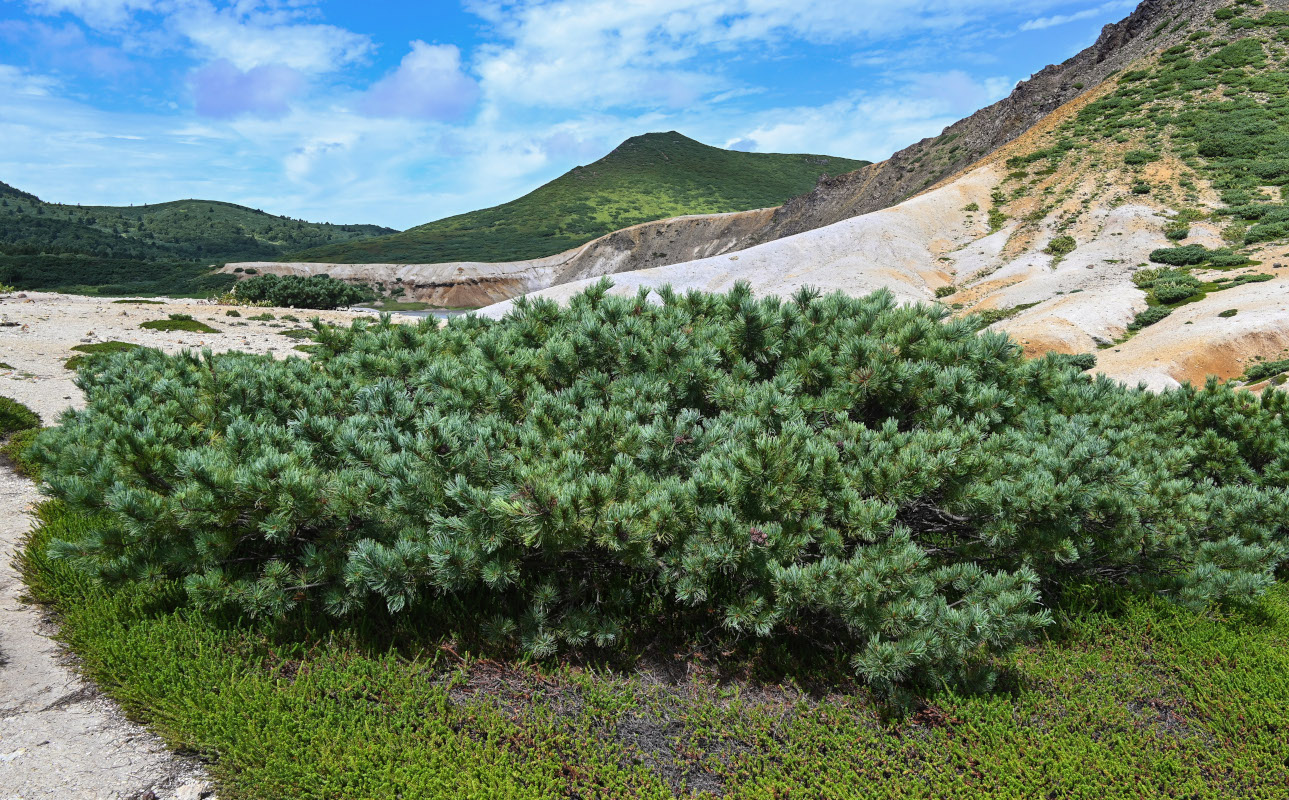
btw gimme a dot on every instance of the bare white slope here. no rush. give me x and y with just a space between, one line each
897 248
1083 302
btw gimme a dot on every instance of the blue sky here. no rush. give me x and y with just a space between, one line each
402 112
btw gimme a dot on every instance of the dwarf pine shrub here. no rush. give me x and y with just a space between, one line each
882 478
315 291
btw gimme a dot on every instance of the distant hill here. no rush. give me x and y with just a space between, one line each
647 178
203 230
144 249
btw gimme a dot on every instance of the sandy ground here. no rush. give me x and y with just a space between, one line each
60 738
38 331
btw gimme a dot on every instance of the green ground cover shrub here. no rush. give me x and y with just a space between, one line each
1169 293
1061 246
844 468
1149 317
1139 157
1261 370
19 427
945 291
178 322
315 291
1193 255
1230 312
16 451
14 417
98 348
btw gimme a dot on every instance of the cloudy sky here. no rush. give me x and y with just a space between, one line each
399 112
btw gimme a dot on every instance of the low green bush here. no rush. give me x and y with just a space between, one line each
316 291
1061 246
1262 370
882 478
1169 293
1139 157
1149 317
1230 312
945 291
1189 255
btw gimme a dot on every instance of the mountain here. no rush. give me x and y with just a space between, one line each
204 230
646 178
160 248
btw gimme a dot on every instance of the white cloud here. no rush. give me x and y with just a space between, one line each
97 13
1040 23
249 40
669 54
873 125
428 84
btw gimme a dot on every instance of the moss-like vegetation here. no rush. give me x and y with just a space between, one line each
19 426
179 322
15 416
100 348
1125 698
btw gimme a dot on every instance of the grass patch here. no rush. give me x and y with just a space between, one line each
1127 698
299 333
178 322
101 348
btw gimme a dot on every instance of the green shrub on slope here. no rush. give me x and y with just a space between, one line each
881 477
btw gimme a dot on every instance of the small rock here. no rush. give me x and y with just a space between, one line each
193 791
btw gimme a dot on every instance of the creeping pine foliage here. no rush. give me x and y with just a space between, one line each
880 477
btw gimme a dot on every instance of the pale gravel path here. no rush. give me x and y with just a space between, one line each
59 738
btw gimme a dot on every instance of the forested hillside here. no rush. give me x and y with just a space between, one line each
163 247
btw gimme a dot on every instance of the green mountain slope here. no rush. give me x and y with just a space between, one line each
646 178
160 248
186 229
